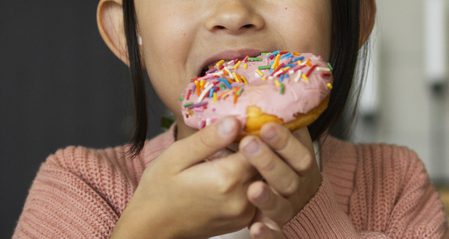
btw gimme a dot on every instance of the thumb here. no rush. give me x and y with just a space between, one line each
204 143
264 227
262 231
260 218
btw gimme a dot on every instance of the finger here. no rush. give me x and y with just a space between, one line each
294 152
257 218
272 206
261 231
204 143
274 170
235 166
304 137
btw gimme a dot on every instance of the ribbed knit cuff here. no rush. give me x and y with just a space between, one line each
320 218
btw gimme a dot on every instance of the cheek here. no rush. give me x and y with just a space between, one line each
165 49
164 65
306 27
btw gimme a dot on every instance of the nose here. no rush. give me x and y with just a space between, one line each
234 17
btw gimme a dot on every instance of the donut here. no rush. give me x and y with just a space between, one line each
284 87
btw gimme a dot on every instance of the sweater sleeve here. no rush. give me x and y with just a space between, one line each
392 198
71 197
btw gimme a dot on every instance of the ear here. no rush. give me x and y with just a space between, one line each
367 19
111 27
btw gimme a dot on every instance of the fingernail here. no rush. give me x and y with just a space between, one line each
262 196
269 133
226 126
257 232
252 147
271 224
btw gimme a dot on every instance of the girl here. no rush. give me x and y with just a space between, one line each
270 186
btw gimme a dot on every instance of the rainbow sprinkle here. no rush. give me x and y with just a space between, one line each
225 80
282 89
252 59
264 68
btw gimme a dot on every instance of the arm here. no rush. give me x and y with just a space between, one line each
79 194
393 198
323 218
60 204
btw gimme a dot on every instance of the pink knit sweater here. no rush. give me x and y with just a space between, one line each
368 191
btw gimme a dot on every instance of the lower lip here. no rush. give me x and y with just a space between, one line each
237 54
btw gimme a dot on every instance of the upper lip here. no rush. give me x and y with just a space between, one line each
229 55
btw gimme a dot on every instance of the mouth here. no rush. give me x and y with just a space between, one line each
226 55
204 71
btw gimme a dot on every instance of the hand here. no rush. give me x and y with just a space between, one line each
182 196
263 227
291 176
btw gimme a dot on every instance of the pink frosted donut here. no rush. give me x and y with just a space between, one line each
284 87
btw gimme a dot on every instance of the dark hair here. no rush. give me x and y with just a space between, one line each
344 57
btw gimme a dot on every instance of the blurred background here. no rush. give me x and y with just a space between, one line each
405 99
61 86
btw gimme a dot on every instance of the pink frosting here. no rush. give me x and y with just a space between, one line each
298 86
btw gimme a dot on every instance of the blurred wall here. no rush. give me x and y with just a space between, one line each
409 113
60 86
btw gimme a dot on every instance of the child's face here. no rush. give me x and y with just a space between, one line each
179 36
